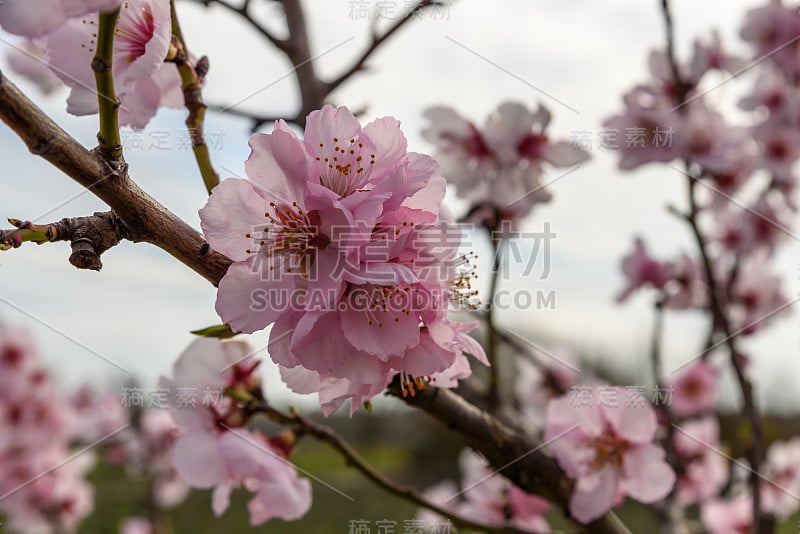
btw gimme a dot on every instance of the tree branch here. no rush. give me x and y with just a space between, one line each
143 219
89 236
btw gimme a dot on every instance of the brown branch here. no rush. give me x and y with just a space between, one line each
142 218
89 236
376 42
326 435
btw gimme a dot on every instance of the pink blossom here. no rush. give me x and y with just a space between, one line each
712 56
642 270
781 485
688 288
771 30
695 389
732 516
539 383
487 497
248 460
705 138
142 80
652 125
215 451
500 165
757 295
779 144
744 231
772 93
704 471
151 453
608 450
38 427
34 18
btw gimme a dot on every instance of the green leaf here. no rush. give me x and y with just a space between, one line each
220 331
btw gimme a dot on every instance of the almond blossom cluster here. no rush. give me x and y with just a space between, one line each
66 39
337 242
487 497
499 167
38 431
214 448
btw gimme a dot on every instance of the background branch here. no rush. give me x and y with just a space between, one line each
718 301
296 46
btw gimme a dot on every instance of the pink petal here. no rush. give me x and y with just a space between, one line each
71 58
389 143
380 333
32 18
235 209
279 164
249 303
593 496
648 478
221 498
564 154
196 458
140 104
290 499
635 423
327 123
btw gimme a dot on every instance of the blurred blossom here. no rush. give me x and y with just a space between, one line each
499 166
609 451
487 497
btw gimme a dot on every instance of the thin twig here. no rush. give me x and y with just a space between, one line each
108 105
328 436
376 42
191 84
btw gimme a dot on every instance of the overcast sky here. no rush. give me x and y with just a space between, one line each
575 56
